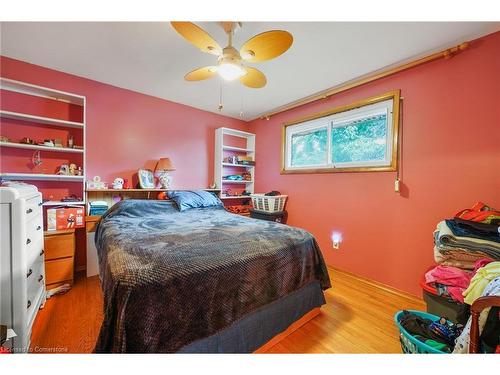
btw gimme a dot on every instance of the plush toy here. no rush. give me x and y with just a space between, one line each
72 169
118 183
126 184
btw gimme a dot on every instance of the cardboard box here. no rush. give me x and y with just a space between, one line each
65 218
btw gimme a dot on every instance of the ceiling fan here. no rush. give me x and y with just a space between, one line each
261 47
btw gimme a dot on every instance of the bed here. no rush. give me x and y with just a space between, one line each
202 280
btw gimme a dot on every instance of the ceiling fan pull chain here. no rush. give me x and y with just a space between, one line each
241 104
220 98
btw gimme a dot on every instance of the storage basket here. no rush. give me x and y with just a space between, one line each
411 345
442 305
268 203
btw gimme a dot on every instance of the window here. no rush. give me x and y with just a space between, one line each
359 137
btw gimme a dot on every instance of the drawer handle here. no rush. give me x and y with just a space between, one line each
28 241
38 227
29 304
42 252
29 273
40 278
29 210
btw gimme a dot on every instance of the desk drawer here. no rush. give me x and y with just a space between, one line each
59 246
58 270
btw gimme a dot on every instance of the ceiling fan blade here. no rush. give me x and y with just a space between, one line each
266 46
254 78
198 37
201 73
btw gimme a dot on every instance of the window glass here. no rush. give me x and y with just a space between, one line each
309 148
360 140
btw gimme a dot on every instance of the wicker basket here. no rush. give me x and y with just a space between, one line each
264 203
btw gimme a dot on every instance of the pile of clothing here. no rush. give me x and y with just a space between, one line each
467 250
440 335
471 235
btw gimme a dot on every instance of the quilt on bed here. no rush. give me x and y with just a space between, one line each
170 278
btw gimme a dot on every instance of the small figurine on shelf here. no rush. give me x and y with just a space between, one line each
72 169
70 141
63 169
79 171
118 183
126 184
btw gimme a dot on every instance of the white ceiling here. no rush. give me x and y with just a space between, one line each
151 58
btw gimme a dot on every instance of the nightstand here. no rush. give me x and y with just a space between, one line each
59 257
279 217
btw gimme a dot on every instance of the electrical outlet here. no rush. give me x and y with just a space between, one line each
336 240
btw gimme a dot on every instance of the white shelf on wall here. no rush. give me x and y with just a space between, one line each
237 165
228 182
40 119
40 177
237 149
60 203
40 147
44 92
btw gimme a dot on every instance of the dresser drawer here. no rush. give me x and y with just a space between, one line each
35 287
33 207
36 279
58 270
59 245
35 265
34 231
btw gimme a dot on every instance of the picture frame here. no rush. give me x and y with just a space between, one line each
146 178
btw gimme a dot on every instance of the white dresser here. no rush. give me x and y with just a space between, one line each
22 271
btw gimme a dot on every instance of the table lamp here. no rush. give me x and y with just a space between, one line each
162 168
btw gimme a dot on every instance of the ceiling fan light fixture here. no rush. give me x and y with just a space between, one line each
231 71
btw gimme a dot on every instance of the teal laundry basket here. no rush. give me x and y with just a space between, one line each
411 345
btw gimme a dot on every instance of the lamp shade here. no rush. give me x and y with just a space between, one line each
164 164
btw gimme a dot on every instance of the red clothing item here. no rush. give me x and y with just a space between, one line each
480 263
456 280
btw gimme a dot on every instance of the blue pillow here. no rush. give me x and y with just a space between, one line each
194 199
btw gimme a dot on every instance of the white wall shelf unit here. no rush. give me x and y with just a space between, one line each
25 88
222 149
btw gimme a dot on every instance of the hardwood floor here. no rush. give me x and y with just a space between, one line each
358 318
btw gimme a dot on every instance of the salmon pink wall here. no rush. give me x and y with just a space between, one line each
451 159
126 130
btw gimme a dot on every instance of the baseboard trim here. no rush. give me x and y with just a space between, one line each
377 284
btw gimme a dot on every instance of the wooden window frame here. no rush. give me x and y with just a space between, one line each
393 95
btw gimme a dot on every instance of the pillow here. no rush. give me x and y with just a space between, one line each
194 199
